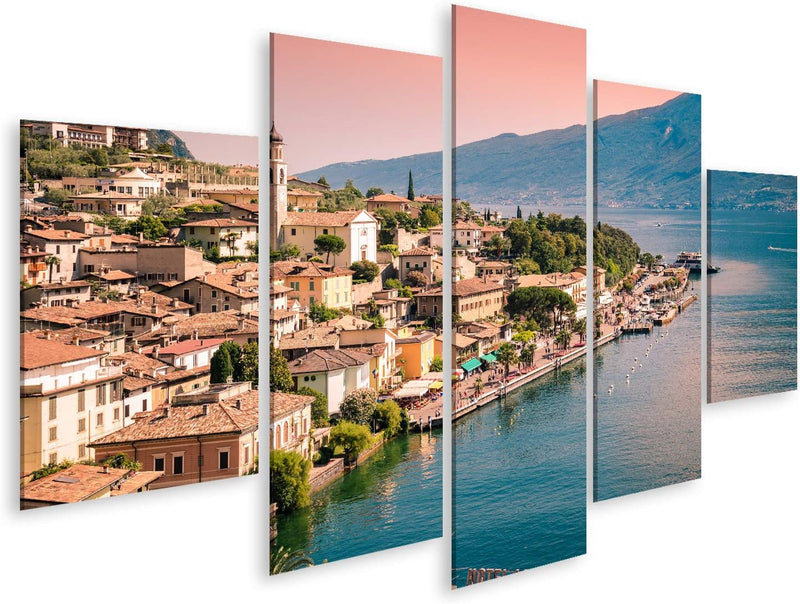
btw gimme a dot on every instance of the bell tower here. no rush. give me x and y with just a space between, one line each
278 201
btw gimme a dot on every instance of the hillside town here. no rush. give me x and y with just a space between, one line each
138 314
355 323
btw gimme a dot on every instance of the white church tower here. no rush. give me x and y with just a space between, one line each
278 200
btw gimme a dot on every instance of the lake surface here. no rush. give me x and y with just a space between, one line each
519 477
752 303
647 431
394 498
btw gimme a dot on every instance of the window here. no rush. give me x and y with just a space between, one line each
144 405
177 464
82 425
294 232
81 400
212 231
223 460
324 231
311 286
99 420
88 268
58 249
247 454
138 321
191 230
53 434
213 308
158 463
53 458
81 451
116 414
213 293
226 307
127 410
101 395
53 407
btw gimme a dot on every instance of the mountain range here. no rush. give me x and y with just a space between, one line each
646 157
179 147
744 190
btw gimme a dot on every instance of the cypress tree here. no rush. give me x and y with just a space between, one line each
221 366
410 187
519 212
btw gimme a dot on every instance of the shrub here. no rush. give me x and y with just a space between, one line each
288 480
359 406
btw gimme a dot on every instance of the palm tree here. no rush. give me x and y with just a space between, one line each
52 261
579 327
564 337
478 385
231 238
527 353
506 356
282 560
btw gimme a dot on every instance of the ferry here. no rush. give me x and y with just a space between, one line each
693 262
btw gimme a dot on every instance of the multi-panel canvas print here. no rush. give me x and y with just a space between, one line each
138 310
518 294
355 324
647 238
752 284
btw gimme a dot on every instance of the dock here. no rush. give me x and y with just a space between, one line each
643 327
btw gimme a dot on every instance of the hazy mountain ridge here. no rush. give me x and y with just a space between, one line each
646 157
746 190
179 147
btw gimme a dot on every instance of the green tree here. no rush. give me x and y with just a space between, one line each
287 251
429 218
56 197
519 212
288 480
437 364
647 259
151 227
358 406
506 356
563 338
283 560
280 378
388 416
221 366
164 148
579 327
520 238
365 270
416 279
249 363
99 156
319 408
212 253
374 191
353 438
120 460
319 313
321 180
329 244
51 261
50 468
252 247
230 239
410 187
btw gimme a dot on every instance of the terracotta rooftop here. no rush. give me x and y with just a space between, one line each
388 198
65 284
314 337
133 483
113 275
37 351
294 268
75 483
304 193
116 196
418 251
188 421
283 403
417 338
327 360
468 287
131 383
57 235
221 223
331 219
464 225
551 279
68 335
135 362
191 346
213 324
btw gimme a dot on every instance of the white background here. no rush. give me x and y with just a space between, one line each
731 536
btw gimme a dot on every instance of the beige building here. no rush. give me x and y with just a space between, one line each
109 202
68 396
467 237
230 235
357 228
475 299
311 282
419 259
290 422
61 243
573 283
221 291
300 200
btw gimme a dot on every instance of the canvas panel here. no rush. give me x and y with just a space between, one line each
139 310
519 294
752 284
355 369
647 241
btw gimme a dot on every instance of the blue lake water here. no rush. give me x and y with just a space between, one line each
394 498
647 432
752 303
519 476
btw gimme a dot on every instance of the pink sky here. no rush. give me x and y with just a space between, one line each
614 98
335 102
224 149
515 75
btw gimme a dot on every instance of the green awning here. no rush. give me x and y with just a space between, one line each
471 364
489 358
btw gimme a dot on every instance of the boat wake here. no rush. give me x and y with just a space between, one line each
781 249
